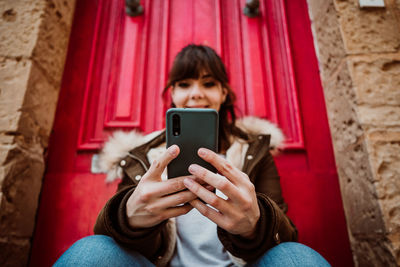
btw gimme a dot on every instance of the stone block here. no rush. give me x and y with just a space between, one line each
39 107
379 116
318 8
28 100
14 252
2 173
3 156
51 47
14 77
328 42
19 26
4 149
376 79
363 215
368 30
396 246
373 251
6 143
341 105
385 159
6 139
63 10
20 188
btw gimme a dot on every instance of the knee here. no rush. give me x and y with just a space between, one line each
292 254
93 240
94 244
88 251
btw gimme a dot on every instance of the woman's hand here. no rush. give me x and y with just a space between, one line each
154 200
238 214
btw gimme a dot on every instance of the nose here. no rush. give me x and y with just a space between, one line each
196 91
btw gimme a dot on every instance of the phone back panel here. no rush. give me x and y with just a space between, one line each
198 128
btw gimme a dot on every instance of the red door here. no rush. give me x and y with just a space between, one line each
115 72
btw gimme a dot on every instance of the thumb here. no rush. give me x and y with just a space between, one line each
158 166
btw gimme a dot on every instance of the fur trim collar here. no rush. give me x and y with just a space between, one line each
117 147
254 125
120 143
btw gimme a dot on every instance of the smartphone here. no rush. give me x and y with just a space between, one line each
190 129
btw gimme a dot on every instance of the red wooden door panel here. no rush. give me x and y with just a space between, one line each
115 72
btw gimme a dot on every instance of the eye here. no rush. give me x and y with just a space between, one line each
209 84
183 84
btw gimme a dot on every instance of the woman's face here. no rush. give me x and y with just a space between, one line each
205 92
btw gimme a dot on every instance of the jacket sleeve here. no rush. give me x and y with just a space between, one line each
112 221
273 226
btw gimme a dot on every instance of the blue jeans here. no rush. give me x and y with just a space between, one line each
98 250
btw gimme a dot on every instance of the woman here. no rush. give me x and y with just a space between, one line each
155 220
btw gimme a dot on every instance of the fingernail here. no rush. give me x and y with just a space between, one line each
173 150
193 168
202 152
188 182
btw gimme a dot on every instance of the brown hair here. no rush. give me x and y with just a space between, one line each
190 62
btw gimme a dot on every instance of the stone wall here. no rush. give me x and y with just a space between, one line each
359 60
33 43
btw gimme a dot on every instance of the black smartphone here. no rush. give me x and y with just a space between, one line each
190 129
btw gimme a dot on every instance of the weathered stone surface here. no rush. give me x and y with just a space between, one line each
33 43
377 79
381 116
340 99
14 252
4 148
51 47
39 107
2 174
363 213
63 10
386 158
364 117
373 251
23 174
318 8
368 30
6 139
384 148
328 42
14 77
19 26
39 29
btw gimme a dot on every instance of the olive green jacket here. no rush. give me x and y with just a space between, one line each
158 243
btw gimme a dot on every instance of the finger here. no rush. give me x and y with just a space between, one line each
208 212
176 199
217 181
170 186
223 166
210 188
176 211
207 196
157 166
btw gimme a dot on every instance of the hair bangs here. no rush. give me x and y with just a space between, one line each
191 65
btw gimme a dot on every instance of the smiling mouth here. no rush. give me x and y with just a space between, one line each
197 106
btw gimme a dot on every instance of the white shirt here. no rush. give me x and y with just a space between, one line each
197 242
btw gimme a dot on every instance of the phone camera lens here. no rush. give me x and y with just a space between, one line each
176 125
